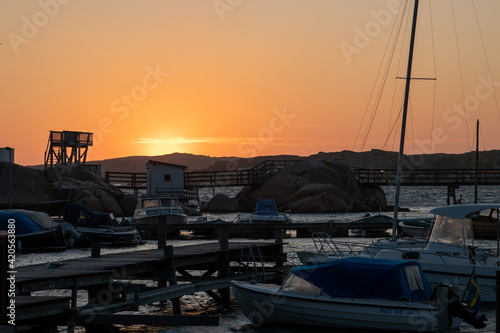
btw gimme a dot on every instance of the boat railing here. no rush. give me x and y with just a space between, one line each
326 246
252 254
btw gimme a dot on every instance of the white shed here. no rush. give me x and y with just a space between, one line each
165 179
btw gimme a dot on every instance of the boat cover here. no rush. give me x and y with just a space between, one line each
24 225
82 216
358 277
266 207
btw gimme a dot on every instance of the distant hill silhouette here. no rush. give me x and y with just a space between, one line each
368 159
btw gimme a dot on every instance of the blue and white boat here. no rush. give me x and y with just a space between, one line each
265 211
351 293
35 231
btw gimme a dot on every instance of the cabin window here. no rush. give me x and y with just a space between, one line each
150 203
166 177
414 278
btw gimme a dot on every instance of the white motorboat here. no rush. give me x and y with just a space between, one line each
451 254
352 293
265 211
150 209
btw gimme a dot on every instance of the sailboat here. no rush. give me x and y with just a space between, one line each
450 255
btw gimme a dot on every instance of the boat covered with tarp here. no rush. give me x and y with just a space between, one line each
351 293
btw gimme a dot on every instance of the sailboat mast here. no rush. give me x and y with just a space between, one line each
477 162
403 121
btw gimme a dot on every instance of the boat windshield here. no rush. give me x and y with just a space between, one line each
298 284
169 202
146 203
451 231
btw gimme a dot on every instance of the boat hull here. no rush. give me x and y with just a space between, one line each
148 226
267 304
44 240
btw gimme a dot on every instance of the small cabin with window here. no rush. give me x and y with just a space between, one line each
165 179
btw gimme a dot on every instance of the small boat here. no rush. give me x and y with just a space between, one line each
35 231
371 225
83 227
416 227
351 293
265 211
150 209
486 225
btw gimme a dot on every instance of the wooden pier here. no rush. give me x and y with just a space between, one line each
112 287
269 230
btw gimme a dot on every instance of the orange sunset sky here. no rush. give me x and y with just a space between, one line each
245 77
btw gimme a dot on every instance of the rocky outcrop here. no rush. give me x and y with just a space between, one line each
315 186
220 203
28 185
34 186
91 190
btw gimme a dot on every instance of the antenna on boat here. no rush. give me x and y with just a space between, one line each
403 122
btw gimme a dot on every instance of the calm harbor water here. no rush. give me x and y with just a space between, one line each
419 200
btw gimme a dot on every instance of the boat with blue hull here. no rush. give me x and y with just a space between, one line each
35 231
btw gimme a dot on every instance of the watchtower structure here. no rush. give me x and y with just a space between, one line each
67 147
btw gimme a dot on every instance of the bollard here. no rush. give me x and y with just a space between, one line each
442 305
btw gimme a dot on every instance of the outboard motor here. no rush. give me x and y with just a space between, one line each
458 309
73 237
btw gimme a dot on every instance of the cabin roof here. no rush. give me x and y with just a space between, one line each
168 164
462 211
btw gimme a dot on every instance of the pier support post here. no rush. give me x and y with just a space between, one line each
451 195
162 232
497 291
172 277
278 239
224 269
442 304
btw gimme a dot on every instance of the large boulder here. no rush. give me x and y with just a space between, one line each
220 203
315 186
28 185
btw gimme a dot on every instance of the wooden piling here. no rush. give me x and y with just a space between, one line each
442 315
278 239
224 264
162 232
172 277
497 290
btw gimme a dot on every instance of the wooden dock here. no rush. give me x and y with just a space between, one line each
268 230
112 287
